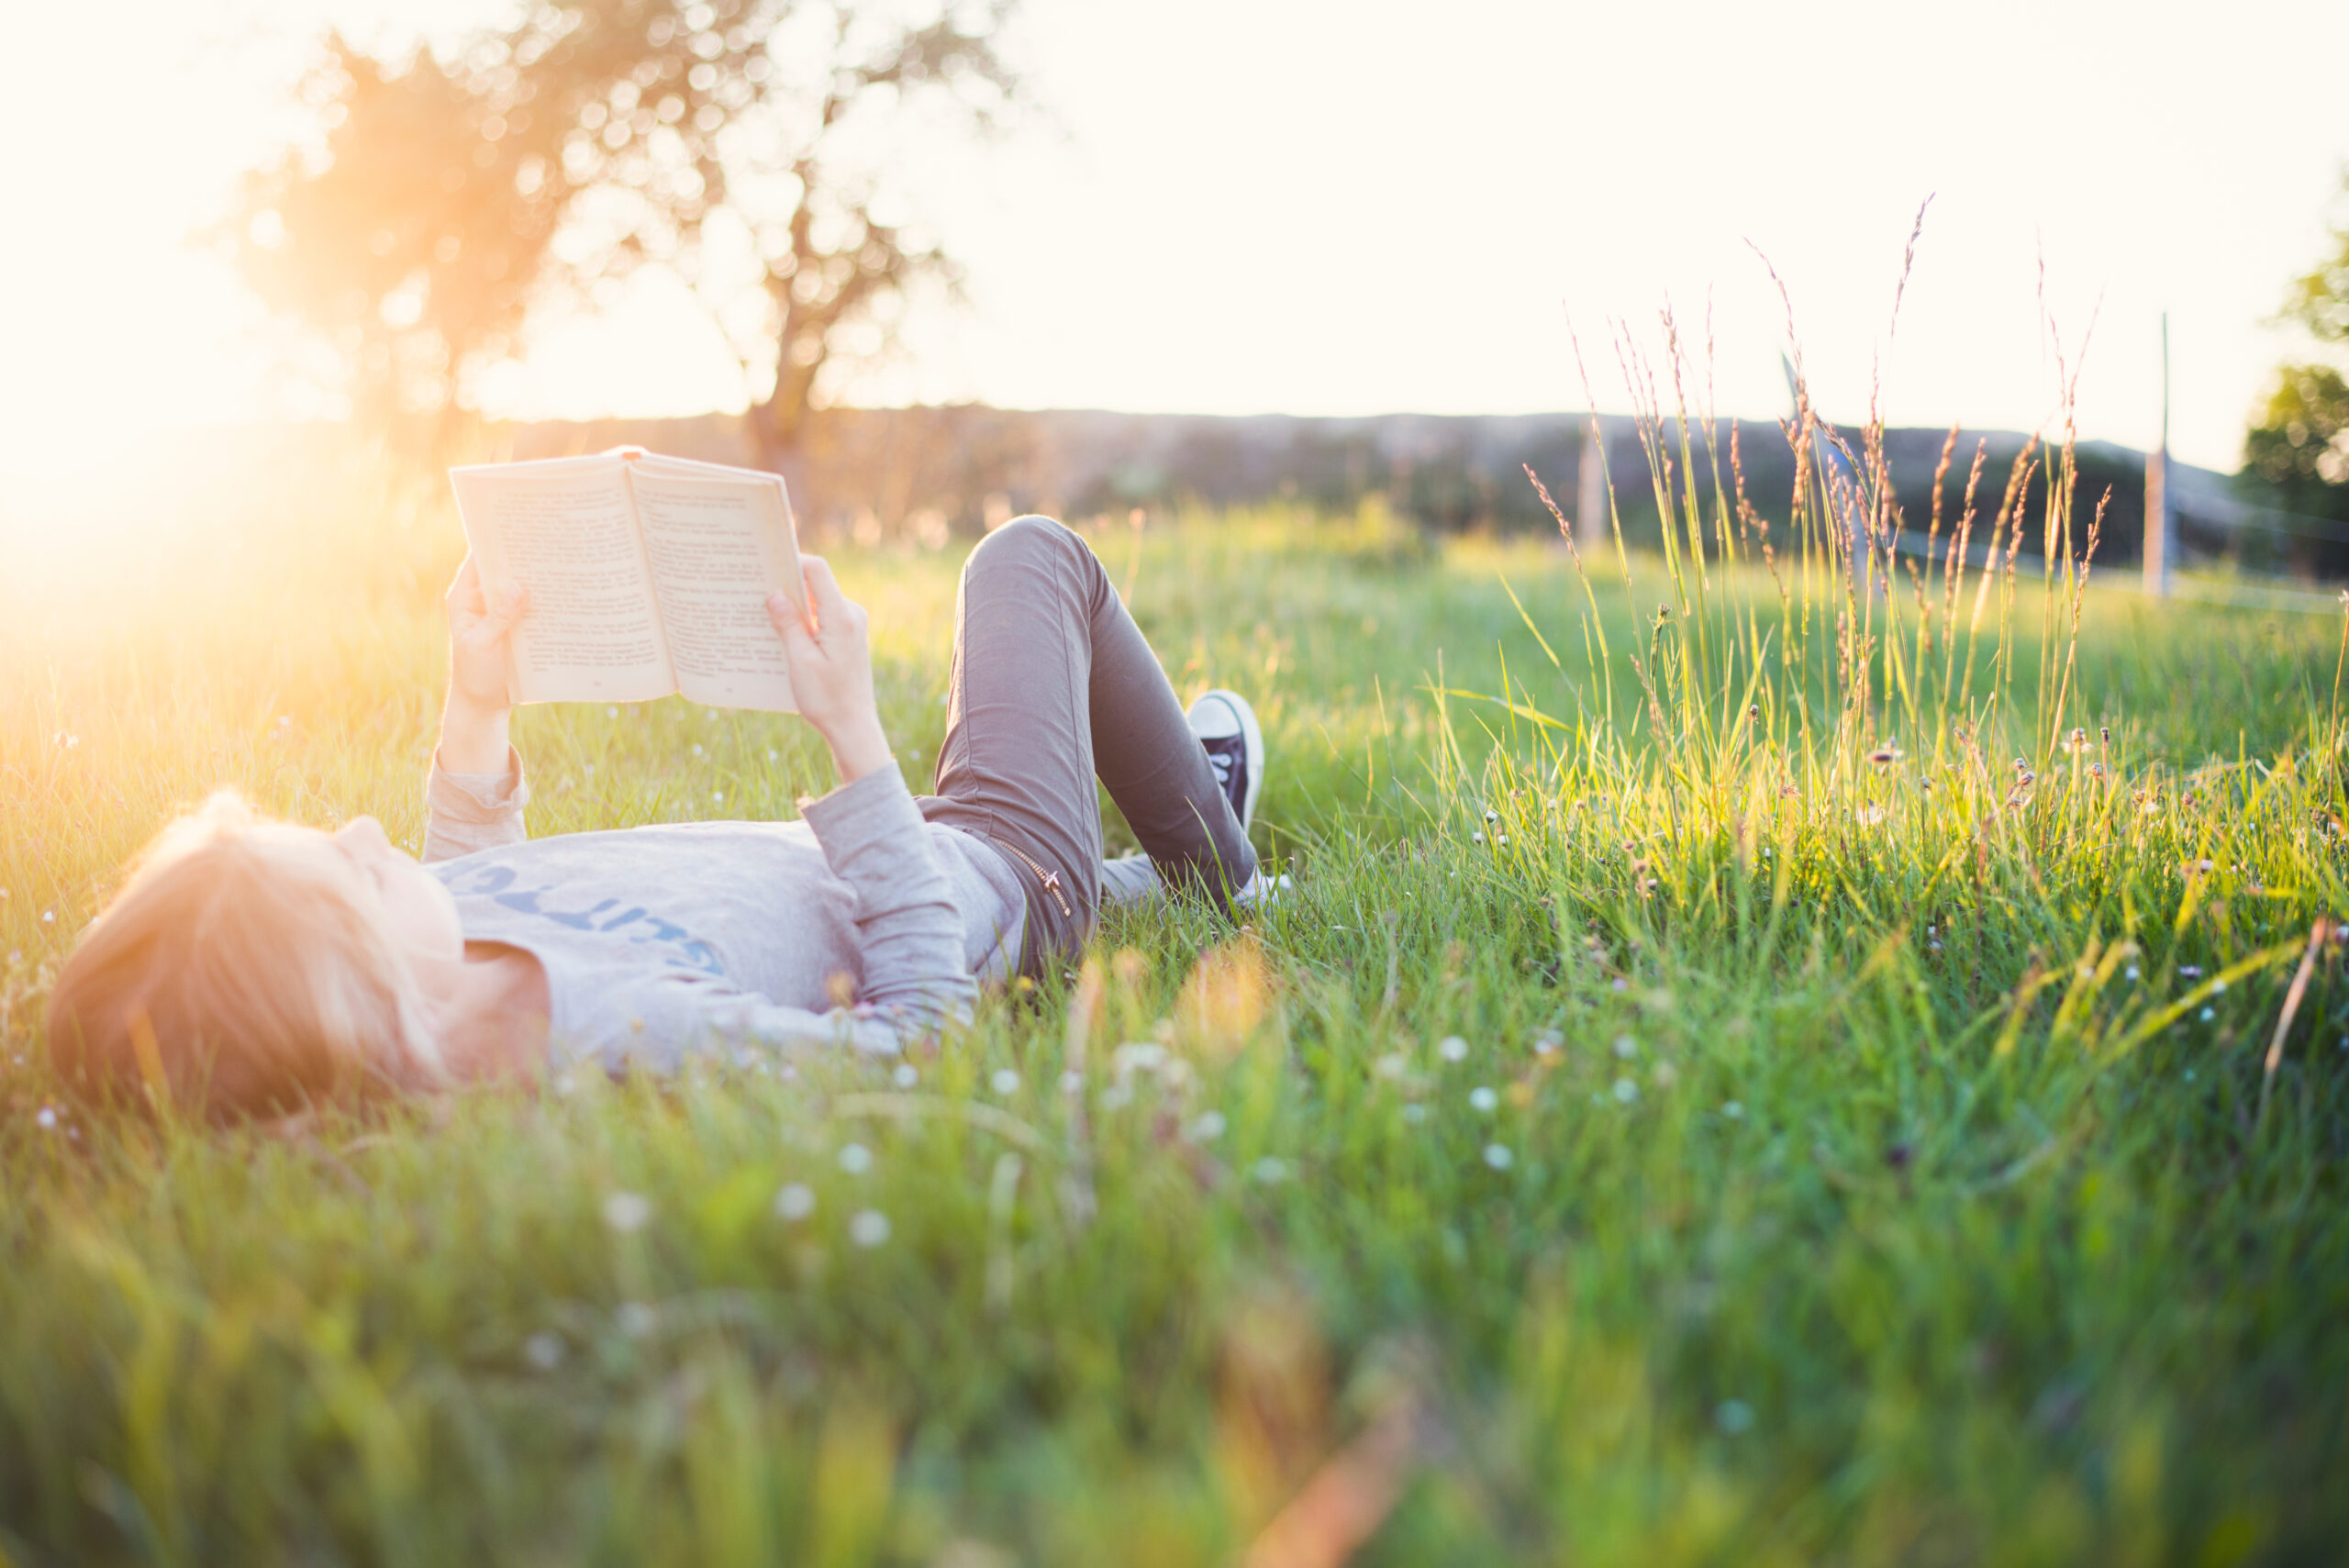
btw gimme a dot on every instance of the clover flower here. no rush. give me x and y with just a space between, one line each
1497 1155
868 1227
627 1212
1483 1098
795 1202
1626 1091
855 1159
1004 1081
1452 1048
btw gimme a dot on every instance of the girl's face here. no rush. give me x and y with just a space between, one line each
420 911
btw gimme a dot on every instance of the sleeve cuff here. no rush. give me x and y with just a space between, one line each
876 808
477 798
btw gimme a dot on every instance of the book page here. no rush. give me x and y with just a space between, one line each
565 531
716 548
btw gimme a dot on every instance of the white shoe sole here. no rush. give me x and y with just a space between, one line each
1252 737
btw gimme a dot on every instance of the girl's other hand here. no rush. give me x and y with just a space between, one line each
832 669
479 625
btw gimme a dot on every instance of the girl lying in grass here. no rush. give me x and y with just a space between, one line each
253 968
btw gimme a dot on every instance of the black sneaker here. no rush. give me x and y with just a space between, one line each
1226 726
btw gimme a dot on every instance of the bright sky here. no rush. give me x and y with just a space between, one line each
1337 206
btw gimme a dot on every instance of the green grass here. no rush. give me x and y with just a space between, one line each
1893 1190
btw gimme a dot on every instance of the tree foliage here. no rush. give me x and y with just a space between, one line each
2297 446
451 192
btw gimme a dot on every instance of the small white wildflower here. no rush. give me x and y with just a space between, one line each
1619 983
1415 1112
2189 1074
1733 1109
773 755
1548 1043
1733 1416
1005 1081
2217 986
2204 865
1071 1082
47 1118
795 1202
1497 1156
590 769
1665 1074
2209 1013
1482 1099
611 713
904 1076
49 916
1270 1169
543 1350
2132 971
564 1083
717 794
710 715
1451 1048
1491 815
625 1212
870 1227
636 1320
1475 838
1626 1048
698 748
1392 1065
1139 1055
855 1159
1208 1127
1626 1091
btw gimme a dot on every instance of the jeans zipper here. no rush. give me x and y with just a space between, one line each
1050 879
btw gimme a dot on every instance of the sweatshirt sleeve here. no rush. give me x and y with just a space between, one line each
909 934
466 812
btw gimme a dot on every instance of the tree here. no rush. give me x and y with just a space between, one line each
2296 449
448 193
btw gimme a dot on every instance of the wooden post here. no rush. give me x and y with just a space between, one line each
2161 515
1591 526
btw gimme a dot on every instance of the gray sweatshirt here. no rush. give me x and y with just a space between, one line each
860 926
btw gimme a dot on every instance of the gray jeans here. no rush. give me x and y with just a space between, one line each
1052 684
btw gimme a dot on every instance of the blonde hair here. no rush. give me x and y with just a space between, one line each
238 973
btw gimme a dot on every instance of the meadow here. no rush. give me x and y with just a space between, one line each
1753 1068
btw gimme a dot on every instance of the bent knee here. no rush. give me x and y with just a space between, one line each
1025 538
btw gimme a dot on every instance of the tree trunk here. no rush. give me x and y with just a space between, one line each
779 445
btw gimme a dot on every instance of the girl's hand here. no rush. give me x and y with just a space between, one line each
478 627
831 670
475 722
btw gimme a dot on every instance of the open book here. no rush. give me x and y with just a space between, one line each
647 575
